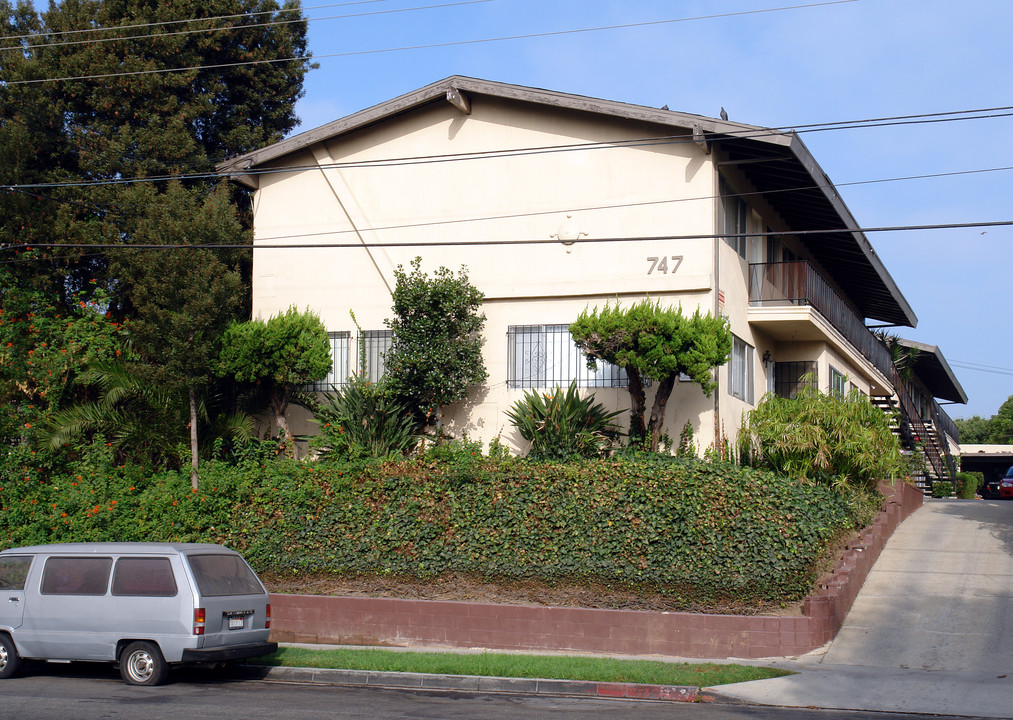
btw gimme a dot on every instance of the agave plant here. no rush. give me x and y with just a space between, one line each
361 420
561 424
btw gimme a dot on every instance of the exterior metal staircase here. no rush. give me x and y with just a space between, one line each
918 435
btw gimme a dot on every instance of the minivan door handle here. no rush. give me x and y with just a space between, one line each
14 599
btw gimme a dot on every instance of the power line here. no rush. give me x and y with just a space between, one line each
429 46
512 242
162 23
977 367
95 41
587 208
517 152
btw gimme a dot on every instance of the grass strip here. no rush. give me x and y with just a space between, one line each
552 667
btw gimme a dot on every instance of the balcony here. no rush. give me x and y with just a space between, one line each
799 285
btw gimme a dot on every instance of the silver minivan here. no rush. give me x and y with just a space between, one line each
145 606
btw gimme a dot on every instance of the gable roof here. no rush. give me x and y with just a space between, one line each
777 163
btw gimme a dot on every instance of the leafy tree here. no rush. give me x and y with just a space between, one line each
436 348
973 430
283 354
143 420
656 343
1001 424
824 438
997 429
182 303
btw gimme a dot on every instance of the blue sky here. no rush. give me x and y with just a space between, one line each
776 63
787 67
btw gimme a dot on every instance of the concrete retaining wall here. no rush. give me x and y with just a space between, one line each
419 623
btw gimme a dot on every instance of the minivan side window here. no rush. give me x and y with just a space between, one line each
141 576
218 575
76 576
13 571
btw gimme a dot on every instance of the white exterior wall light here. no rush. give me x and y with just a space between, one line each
568 232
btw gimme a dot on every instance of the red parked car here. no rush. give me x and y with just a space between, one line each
1006 485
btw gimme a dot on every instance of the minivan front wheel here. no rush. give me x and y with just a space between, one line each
9 660
141 663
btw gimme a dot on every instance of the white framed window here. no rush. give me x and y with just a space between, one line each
546 356
740 370
734 218
838 381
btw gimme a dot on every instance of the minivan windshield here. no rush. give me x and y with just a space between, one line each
218 575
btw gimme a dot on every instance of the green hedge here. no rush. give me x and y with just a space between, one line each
702 530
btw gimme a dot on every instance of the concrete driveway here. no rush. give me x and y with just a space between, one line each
932 629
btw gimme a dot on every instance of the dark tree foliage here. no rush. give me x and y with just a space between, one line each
649 341
95 95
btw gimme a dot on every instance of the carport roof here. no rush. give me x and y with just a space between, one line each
775 162
933 370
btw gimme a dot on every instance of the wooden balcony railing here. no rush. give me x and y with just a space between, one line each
799 283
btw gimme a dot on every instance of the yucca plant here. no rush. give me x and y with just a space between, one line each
561 424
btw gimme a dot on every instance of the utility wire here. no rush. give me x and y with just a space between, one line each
491 243
427 46
95 41
516 152
114 209
163 23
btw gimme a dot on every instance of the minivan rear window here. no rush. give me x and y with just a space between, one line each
218 575
13 571
141 576
76 576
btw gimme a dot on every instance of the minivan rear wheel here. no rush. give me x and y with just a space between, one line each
9 660
141 663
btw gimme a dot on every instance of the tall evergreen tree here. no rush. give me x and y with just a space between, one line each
95 95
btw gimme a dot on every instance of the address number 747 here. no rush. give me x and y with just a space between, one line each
666 265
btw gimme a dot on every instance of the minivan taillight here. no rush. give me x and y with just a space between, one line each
267 618
199 617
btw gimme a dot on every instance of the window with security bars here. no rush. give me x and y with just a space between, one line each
338 374
373 347
545 356
348 355
788 376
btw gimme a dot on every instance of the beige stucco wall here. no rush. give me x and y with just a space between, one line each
352 204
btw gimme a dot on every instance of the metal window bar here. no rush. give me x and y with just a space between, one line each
788 376
545 356
338 375
375 344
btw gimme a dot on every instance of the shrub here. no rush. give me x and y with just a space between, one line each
826 438
967 484
942 489
699 531
561 424
361 420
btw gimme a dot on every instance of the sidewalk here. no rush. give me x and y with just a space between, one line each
849 687
931 630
